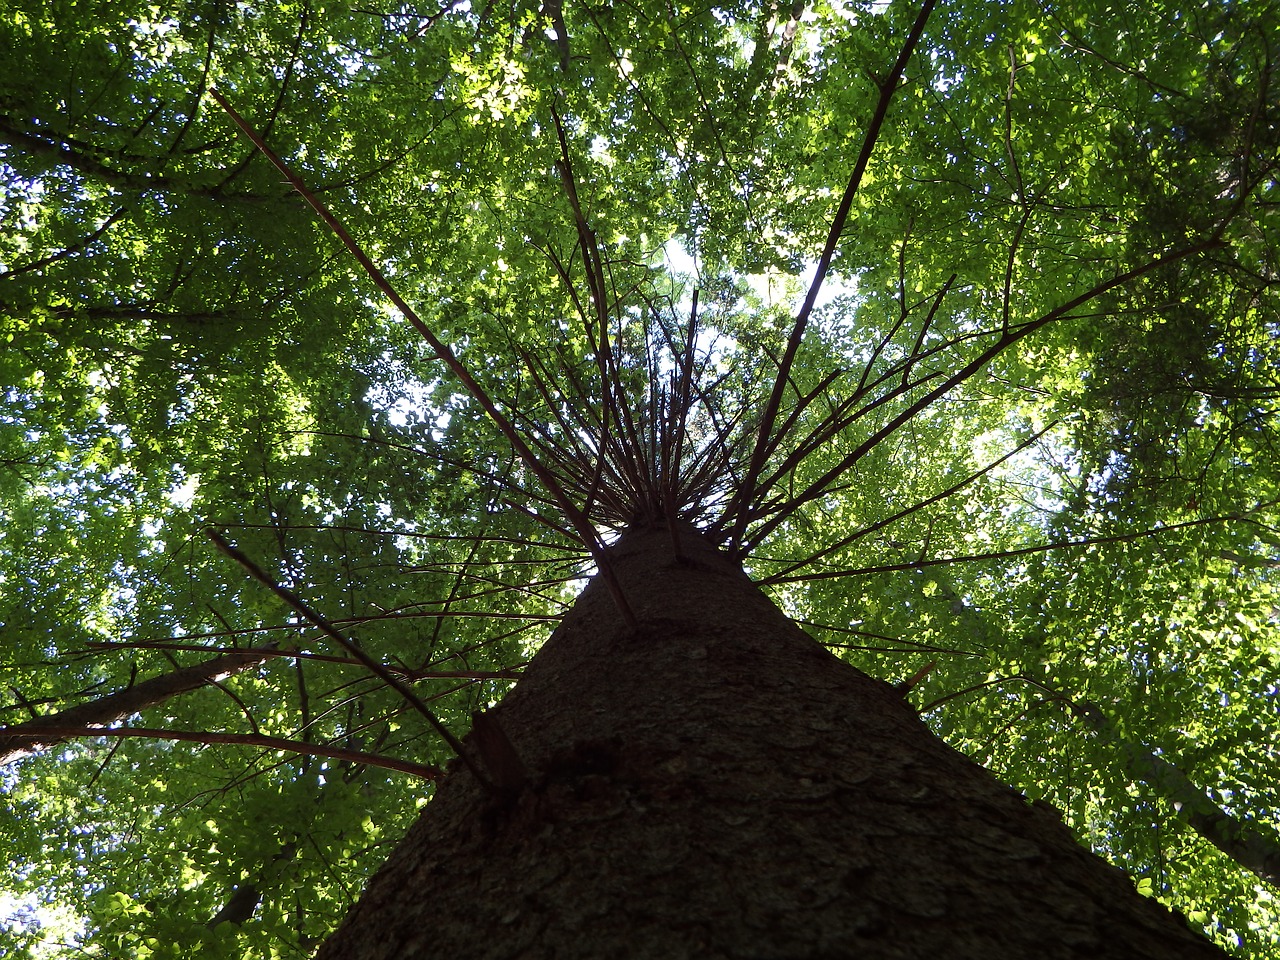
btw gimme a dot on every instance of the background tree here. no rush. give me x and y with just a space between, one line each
1084 553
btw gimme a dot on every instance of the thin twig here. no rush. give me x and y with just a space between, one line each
894 518
920 564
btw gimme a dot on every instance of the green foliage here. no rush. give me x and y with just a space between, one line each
182 345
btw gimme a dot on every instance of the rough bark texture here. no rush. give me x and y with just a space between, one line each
715 784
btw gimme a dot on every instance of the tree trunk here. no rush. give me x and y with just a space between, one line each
713 783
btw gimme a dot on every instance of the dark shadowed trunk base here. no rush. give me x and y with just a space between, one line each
716 784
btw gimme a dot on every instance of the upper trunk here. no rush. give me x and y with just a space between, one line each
713 783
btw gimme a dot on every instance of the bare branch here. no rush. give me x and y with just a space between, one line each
578 520
921 563
767 440
1002 343
914 508
374 667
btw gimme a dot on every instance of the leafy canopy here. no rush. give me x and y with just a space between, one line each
1019 451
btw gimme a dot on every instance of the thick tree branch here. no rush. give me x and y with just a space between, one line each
1253 845
23 739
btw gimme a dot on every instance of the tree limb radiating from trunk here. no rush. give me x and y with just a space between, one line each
22 739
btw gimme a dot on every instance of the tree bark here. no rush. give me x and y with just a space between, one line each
714 783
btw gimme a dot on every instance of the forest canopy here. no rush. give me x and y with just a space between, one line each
959 325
